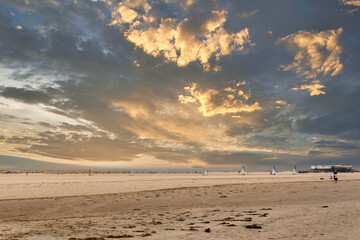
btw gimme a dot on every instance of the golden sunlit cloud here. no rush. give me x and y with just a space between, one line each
313 88
125 12
281 102
316 54
213 102
351 2
174 40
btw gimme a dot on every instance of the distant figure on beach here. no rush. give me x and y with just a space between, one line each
242 171
335 176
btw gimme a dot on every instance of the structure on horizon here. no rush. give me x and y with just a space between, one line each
331 168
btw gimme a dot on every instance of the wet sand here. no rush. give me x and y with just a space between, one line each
180 206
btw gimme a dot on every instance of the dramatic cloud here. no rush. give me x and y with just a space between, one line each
351 2
176 39
179 83
316 55
314 88
213 102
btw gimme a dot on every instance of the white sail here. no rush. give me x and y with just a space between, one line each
273 171
243 171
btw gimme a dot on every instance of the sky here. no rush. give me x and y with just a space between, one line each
187 84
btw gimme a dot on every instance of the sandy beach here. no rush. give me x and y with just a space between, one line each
179 206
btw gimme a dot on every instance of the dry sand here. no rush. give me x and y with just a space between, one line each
179 206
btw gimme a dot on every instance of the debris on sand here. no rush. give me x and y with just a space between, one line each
154 222
250 211
231 225
120 236
253 226
130 226
247 219
146 235
88 238
224 223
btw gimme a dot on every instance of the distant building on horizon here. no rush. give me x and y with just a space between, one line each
5 171
331 168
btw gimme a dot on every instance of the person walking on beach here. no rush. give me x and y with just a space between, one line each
335 176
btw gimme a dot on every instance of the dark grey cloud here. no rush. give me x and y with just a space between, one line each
272 141
25 95
336 145
334 114
12 47
232 158
315 152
